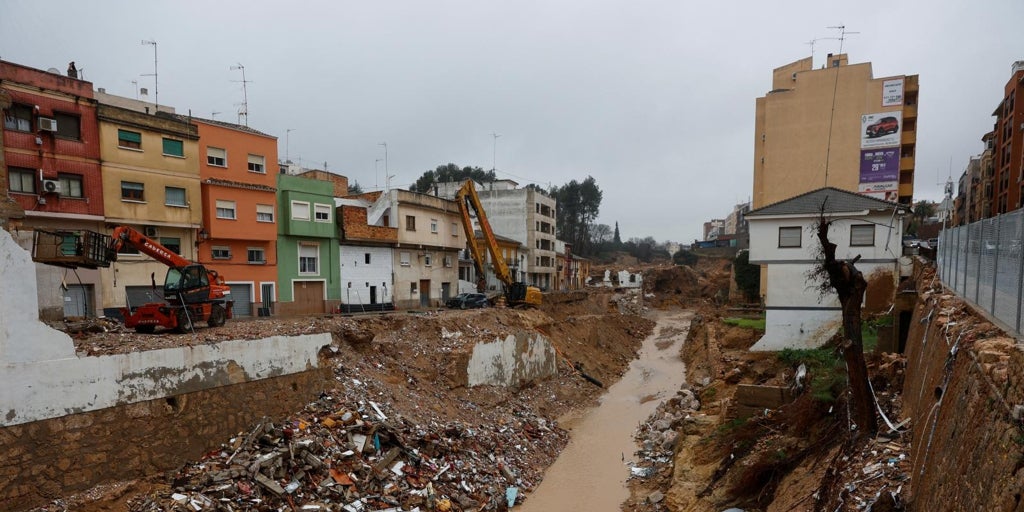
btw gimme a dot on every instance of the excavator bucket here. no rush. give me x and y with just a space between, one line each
71 249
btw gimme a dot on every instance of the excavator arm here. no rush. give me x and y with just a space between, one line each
467 199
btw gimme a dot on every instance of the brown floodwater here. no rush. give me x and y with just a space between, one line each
591 473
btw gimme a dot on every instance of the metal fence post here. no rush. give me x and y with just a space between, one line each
977 275
995 262
1020 265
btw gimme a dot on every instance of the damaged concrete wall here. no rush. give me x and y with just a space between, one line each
963 389
514 361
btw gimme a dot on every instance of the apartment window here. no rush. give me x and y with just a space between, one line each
410 223
172 243
403 258
256 256
433 226
264 213
174 196
132 191
322 212
309 258
68 126
20 179
300 210
174 147
216 156
448 261
455 229
18 117
129 140
427 259
366 258
790 236
862 235
412 287
221 252
226 209
70 185
257 164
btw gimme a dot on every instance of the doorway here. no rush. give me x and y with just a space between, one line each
424 293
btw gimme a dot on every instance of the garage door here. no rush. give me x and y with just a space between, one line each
77 300
242 295
309 297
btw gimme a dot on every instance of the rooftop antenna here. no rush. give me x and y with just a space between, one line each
136 84
835 86
213 115
156 77
287 145
494 152
811 44
243 112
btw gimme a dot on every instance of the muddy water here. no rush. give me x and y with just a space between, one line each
591 472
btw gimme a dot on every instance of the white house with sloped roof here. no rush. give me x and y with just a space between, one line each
783 240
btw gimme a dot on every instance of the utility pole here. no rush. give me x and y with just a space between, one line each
385 144
494 152
156 78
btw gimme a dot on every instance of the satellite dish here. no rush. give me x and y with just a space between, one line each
53 70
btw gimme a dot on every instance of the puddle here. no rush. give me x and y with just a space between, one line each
590 474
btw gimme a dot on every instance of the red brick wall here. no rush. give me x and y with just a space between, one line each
43 460
354 227
55 155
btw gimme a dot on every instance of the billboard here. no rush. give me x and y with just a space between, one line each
892 92
881 130
886 190
878 165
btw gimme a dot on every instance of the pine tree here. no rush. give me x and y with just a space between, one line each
617 240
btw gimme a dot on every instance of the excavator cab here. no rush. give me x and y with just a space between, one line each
189 284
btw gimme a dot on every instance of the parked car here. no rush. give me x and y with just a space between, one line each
468 301
883 126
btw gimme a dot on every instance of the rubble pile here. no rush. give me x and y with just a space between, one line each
659 435
344 454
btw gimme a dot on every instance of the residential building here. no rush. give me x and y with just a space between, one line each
150 167
783 239
1008 145
239 211
429 240
573 270
511 251
366 254
713 228
526 215
307 246
987 192
837 126
51 175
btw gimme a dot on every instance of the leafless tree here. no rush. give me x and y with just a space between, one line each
849 284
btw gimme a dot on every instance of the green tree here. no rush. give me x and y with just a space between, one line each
451 173
923 210
617 239
747 276
354 188
578 206
684 257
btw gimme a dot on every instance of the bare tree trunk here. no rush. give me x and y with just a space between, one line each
850 285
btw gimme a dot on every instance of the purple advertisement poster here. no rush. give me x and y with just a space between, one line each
879 165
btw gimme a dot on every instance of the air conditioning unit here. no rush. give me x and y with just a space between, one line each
47 124
51 187
151 231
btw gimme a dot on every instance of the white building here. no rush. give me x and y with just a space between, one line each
783 240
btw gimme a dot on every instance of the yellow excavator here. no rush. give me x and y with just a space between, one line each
516 293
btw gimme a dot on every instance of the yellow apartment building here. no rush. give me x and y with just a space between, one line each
835 126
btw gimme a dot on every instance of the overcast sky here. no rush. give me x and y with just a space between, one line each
654 99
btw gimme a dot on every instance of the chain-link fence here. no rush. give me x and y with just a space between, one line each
983 262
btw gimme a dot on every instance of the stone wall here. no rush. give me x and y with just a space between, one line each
963 386
42 460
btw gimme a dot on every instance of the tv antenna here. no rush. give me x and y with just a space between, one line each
835 87
156 78
213 115
136 84
243 111
815 40
842 35
494 152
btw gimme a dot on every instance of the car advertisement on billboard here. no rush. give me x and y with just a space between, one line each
880 130
877 165
892 92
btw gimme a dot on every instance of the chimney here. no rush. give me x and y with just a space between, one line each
144 92
72 70
101 90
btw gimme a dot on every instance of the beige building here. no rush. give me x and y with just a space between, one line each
837 126
426 257
150 167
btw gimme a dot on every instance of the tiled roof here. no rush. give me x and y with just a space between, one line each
223 124
835 201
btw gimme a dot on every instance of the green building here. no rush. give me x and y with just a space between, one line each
307 246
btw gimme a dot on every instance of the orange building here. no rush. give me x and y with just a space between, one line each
238 176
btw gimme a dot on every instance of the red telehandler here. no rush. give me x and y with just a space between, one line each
192 292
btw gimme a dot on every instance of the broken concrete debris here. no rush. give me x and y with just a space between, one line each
357 458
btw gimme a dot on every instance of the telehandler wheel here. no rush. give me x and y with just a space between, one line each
145 329
217 316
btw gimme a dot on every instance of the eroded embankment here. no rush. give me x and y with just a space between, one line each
963 390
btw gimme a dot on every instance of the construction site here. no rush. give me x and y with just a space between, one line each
476 410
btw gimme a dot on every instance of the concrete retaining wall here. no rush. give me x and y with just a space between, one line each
513 361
